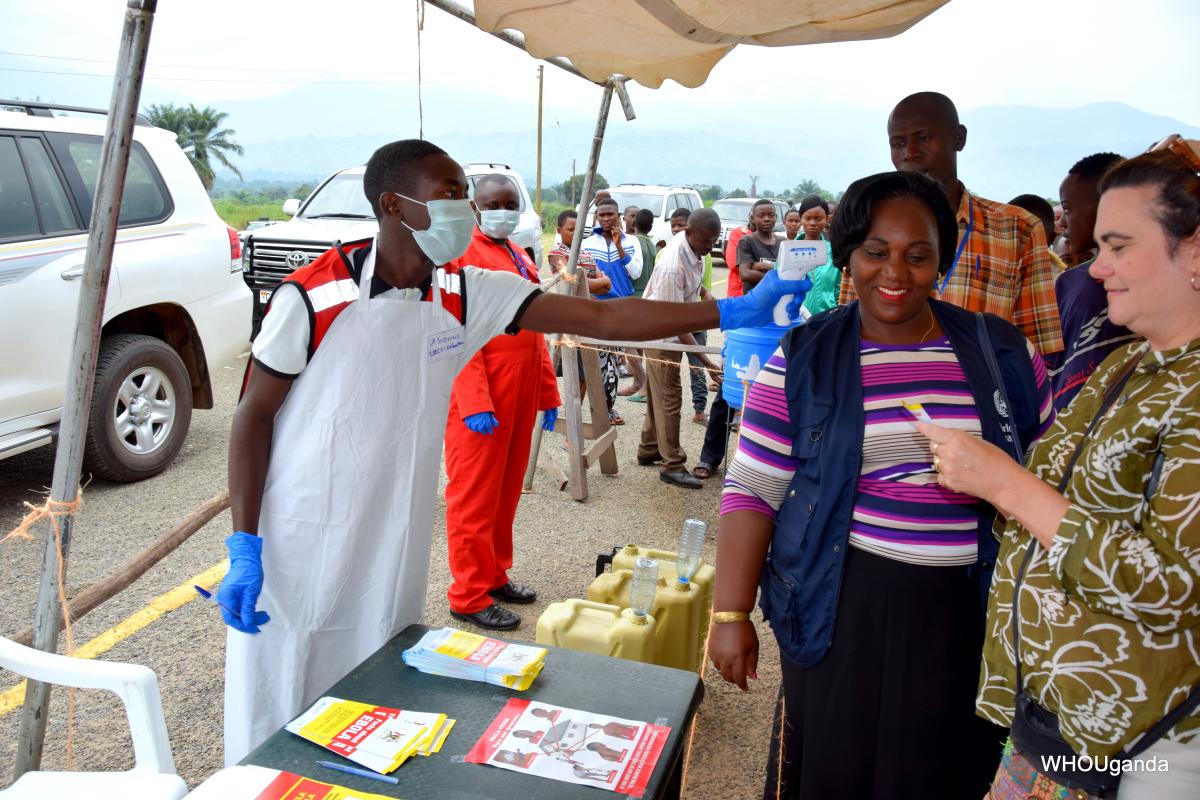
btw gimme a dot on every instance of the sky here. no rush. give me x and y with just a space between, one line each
1049 53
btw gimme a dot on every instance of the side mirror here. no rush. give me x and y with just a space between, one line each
291 206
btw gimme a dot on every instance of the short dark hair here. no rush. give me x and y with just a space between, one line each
563 216
1177 206
626 211
644 221
1093 167
942 104
853 220
392 168
811 202
762 201
495 177
1038 206
607 200
681 212
705 219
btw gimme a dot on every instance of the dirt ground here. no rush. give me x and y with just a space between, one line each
556 540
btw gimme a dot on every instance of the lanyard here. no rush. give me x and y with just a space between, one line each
958 253
520 265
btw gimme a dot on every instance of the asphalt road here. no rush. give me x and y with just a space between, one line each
556 544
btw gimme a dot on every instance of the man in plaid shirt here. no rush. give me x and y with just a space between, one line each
1003 265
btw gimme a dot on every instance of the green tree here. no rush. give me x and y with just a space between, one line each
737 193
200 135
569 189
806 187
709 192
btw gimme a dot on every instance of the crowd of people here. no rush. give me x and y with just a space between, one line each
965 494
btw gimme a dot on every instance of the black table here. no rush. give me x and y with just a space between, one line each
587 682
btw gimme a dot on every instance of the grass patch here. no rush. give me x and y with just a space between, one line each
237 213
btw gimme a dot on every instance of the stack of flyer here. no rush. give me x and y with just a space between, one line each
458 654
378 738
261 783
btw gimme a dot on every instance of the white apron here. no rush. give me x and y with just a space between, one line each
348 506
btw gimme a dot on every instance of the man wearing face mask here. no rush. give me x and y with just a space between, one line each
493 407
333 456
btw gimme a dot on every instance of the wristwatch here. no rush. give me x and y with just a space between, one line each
720 617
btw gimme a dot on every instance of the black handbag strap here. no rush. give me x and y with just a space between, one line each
1192 701
989 355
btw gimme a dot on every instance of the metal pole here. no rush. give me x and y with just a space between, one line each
570 366
114 158
541 85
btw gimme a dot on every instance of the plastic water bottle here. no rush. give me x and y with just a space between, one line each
643 586
691 545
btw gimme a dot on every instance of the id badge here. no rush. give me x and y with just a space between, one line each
444 344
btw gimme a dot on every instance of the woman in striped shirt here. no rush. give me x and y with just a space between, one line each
832 505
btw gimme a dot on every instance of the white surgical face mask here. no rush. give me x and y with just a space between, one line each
451 223
498 223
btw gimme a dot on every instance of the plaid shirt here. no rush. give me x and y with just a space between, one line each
1005 269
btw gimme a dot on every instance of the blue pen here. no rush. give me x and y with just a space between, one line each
362 773
207 595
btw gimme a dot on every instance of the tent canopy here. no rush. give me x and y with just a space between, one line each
653 40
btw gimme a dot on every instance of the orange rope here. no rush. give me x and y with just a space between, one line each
54 510
570 341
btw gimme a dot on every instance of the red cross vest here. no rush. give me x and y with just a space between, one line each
330 284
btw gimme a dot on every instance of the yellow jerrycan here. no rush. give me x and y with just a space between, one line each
680 609
600 628
624 631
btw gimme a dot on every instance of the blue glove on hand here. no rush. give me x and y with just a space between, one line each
240 589
753 310
484 422
549 417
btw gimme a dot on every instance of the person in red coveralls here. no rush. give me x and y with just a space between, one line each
493 407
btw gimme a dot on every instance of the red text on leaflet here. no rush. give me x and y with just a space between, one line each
349 739
486 653
496 733
636 775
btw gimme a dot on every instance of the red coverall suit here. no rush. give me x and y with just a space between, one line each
513 378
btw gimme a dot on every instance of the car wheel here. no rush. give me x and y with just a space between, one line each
141 408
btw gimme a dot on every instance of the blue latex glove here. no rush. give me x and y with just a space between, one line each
484 422
550 416
753 310
243 583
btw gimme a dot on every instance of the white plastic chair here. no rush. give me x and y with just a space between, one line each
153 775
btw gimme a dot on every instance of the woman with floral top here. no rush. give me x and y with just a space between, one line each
1097 584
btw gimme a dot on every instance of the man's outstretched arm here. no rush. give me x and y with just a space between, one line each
636 319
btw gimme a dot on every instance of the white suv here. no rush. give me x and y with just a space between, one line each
338 211
177 308
662 200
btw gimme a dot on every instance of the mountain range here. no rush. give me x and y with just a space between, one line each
306 133
1010 149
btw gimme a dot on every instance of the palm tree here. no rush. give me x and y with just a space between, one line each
200 135
754 185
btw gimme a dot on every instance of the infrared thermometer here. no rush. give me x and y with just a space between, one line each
797 259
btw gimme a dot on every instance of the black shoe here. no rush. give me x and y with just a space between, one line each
681 478
493 618
514 593
648 462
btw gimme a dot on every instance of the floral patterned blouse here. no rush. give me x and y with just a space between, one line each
1110 614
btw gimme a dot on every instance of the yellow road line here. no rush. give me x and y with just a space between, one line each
178 597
